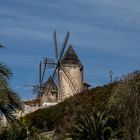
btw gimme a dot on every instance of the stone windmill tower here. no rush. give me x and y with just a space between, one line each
71 74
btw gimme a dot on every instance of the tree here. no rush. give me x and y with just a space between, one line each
9 100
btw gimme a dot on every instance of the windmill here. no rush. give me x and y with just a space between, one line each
60 73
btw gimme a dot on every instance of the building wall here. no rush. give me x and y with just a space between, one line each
48 97
75 73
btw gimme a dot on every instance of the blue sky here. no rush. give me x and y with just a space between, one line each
104 33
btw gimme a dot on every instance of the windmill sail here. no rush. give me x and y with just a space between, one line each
62 83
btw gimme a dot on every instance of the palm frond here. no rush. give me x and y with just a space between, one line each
9 102
1 46
15 100
5 72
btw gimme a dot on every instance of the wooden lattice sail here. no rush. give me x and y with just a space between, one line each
67 77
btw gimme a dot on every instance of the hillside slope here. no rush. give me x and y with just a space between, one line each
119 99
62 115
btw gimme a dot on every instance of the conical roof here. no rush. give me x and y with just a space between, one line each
70 57
49 84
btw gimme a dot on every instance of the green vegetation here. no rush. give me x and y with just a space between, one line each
18 130
119 100
9 100
62 116
124 105
96 126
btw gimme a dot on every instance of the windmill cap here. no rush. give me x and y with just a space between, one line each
70 57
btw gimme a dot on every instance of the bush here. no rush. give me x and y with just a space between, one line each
19 131
124 105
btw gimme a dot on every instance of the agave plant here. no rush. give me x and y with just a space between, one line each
94 127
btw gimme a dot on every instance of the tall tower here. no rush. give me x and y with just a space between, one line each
71 74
